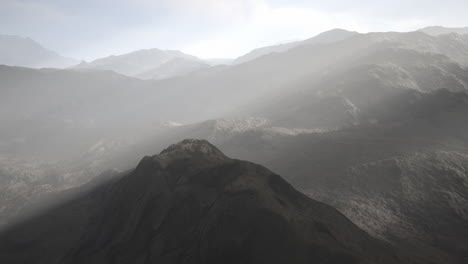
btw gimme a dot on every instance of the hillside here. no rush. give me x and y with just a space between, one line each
192 204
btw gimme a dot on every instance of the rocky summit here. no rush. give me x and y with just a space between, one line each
192 204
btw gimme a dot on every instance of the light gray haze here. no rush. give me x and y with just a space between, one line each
90 29
131 130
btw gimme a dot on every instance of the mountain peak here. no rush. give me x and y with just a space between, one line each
192 212
326 37
192 153
193 147
337 30
330 36
139 62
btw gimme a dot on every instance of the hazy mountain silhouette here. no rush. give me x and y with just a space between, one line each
145 63
323 87
344 80
19 51
388 60
438 30
173 68
326 37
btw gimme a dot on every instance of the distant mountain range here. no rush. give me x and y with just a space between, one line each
145 64
346 79
438 30
331 36
25 52
155 63
148 64
163 64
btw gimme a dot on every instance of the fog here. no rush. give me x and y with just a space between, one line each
369 120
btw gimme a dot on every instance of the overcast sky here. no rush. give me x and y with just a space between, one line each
87 29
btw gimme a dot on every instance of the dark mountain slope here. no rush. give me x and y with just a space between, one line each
192 204
400 187
401 178
242 86
352 96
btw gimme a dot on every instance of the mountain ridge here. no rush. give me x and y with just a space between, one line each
173 68
193 204
326 37
26 52
138 62
439 30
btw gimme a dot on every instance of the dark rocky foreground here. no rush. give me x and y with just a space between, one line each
192 204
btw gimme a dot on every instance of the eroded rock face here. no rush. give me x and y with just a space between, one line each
192 204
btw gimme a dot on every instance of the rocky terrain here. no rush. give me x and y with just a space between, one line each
402 179
192 204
